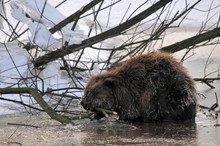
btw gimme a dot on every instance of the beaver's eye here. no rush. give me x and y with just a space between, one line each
95 91
87 93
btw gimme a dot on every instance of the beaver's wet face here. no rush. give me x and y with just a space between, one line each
98 94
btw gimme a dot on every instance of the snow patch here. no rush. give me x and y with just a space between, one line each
39 16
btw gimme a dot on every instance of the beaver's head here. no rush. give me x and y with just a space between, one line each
99 94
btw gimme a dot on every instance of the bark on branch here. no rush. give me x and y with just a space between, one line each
193 41
207 81
74 16
37 96
100 37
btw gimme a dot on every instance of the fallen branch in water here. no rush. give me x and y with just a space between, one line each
215 105
203 107
38 97
212 108
52 113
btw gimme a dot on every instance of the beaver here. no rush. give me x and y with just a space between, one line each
152 87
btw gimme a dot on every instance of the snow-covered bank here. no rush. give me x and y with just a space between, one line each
15 62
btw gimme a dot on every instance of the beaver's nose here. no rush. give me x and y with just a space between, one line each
82 103
85 105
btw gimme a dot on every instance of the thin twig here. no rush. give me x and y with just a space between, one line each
215 105
206 81
105 111
22 103
26 125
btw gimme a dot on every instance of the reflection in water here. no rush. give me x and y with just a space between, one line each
116 133
208 130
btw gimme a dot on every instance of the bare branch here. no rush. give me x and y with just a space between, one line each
192 40
37 96
207 81
100 37
74 16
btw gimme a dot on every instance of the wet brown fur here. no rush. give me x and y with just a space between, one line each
153 87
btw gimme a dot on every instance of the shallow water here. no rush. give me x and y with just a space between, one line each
146 134
205 132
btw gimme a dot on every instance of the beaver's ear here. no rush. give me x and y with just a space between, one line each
109 82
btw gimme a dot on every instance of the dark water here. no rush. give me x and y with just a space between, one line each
147 134
204 132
